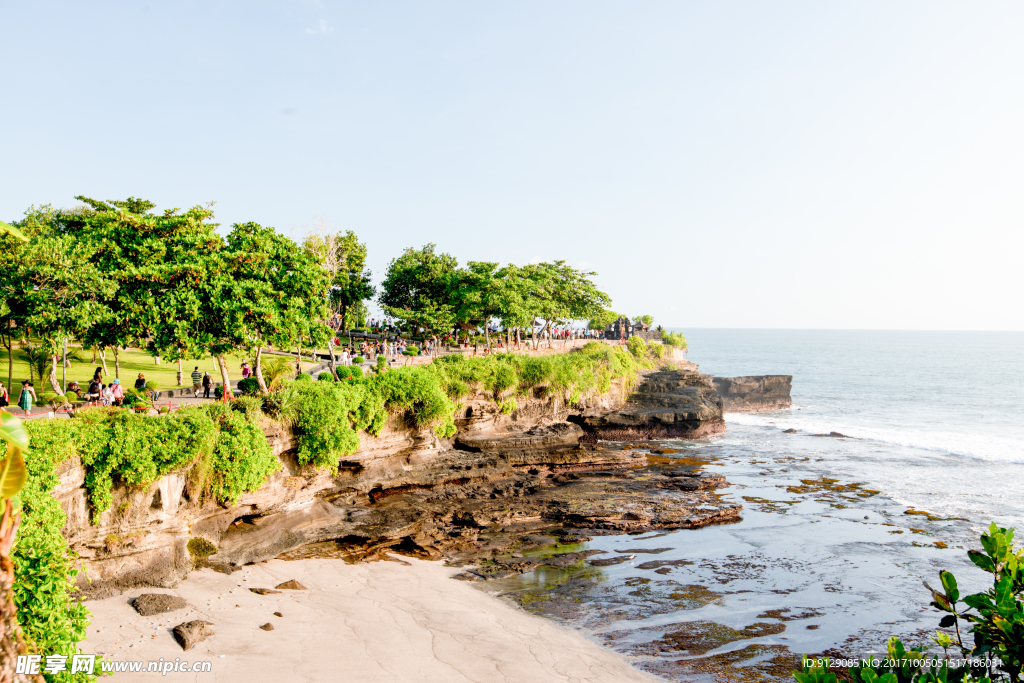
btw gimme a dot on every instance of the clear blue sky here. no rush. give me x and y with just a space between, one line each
754 164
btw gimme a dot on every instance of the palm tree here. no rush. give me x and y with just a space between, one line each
275 370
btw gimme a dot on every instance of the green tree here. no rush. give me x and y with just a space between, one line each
645 319
419 288
342 257
52 290
265 289
559 294
156 262
603 319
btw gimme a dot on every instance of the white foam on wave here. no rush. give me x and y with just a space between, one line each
978 446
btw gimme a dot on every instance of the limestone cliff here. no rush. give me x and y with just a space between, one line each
501 475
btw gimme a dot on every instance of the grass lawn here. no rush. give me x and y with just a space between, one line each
132 361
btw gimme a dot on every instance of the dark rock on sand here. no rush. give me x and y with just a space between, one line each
292 585
149 604
267 626
264 591
192 632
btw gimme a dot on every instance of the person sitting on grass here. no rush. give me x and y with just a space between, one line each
116 392
106 396
140 383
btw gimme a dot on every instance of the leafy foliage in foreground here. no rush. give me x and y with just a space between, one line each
996 617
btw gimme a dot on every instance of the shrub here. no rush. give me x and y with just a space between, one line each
355 372
303 377
656 350
325 377
637 347
44 568
218 392
248 386
382 363
358 360
323 423
152 386
674 339
411 350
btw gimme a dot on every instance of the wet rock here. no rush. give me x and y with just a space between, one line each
192 632
668 403
291 585
607 562
267 626
754 394
149 604
789 431
650 551
657 564
264 591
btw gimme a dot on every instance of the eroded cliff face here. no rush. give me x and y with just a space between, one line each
668 403
755 394
501 476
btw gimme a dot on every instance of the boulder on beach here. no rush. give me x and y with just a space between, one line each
192 632
149 604
292 585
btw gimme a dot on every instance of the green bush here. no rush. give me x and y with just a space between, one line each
303 377
637 347
44 568
411 350
248 386
382 362
358 360
674 339
152 386
325 377
218 393
656 350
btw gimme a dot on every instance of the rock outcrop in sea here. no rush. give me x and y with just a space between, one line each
754 394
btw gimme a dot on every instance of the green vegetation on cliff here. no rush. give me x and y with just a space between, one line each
223 450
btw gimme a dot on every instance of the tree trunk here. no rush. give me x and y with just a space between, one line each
487 336
259 371
12 642
54 384
223 364
10 361
103 362
179 372
298 360
333 361
117 365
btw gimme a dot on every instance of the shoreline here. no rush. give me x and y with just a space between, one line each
402 620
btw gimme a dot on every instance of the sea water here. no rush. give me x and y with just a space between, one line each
940 415
837 534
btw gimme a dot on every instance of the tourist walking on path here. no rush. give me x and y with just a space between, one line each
28 395
197 381
207 383
5 399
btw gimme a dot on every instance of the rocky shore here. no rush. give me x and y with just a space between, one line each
501 479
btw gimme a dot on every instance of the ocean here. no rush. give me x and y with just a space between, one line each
940 415
837 534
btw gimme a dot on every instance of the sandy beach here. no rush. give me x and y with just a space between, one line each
385 621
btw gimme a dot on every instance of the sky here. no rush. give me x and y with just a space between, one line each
718 164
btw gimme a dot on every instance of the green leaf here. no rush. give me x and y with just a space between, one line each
12 430
949 583
13 472
982 560
11 230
